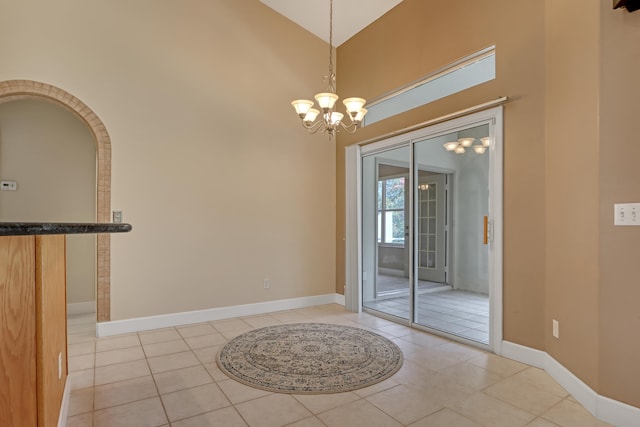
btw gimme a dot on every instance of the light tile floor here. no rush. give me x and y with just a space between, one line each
169 377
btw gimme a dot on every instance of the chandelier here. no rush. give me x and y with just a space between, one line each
326 118
461 144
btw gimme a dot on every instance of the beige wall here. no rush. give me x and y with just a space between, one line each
571 150
417 37
571 140
619 182
209 163
51 155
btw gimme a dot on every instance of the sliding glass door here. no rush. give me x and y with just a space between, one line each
452 200
386 285
428 203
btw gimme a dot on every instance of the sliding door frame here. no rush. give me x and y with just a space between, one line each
354 154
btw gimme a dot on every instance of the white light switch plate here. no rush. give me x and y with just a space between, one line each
626 214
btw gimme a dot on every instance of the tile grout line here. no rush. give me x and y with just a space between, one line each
153 378
233 405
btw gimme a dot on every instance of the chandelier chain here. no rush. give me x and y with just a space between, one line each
332 76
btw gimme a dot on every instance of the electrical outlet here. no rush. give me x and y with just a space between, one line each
266 284
117 217
556 329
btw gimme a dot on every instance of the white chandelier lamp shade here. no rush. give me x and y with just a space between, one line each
311 115
330 121
302 107
354 105
335 118
326 100
459 146
360 115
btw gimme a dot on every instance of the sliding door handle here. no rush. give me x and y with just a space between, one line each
486 230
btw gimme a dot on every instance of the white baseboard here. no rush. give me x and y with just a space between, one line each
574 385
523 354
617 413
611 411
86 307
64 406
117 327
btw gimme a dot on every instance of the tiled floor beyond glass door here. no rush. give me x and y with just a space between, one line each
461 313
457 312
169 377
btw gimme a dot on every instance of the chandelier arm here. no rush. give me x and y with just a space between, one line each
313 127
351 122
350 128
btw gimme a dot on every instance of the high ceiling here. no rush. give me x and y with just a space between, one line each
349 16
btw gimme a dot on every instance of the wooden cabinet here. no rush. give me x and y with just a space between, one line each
33 336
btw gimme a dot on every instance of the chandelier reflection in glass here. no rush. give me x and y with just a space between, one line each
326 118
461 144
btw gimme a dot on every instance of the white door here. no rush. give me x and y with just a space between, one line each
431 233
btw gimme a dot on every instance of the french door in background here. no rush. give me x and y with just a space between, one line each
431 196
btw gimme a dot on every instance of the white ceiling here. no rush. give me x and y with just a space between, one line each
349 16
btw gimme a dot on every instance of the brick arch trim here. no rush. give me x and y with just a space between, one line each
11 90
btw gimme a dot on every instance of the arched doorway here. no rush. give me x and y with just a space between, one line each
23 89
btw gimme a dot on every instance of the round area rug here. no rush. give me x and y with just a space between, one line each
309 358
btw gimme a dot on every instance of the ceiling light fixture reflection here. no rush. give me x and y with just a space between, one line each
459 146
479 149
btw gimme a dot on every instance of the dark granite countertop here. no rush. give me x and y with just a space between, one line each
32 228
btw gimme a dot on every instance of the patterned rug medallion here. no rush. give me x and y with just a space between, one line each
309 358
